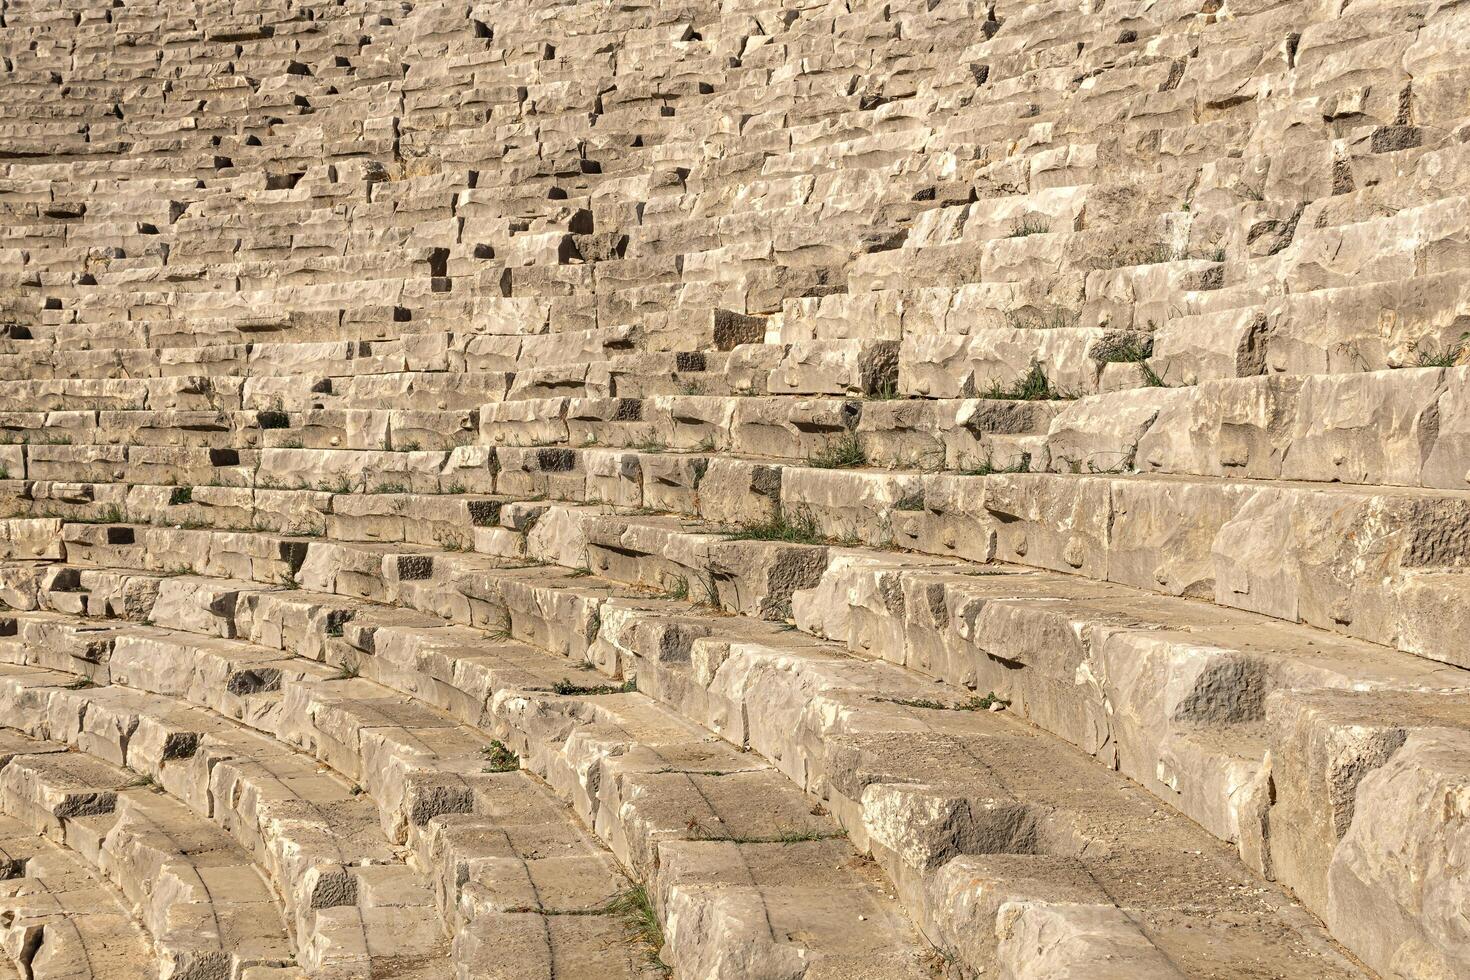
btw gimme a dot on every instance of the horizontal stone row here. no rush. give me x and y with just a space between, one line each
551 611
1194 536
386 573
509 875
59 919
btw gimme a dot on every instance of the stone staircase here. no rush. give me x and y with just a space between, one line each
750 490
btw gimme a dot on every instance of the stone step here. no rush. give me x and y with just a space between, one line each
950 433
551 617
327 470
58 919
1186 536
207 907
1322 331
163 394
431 771
395 761
417 351
1401 428
366 429
1178 535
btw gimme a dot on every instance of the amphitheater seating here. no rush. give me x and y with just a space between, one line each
771 489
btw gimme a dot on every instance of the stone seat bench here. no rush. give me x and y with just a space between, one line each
58 919
204 903
540 625
354 905
427 777
1392 428
430 350
1331 330
62 394
362 429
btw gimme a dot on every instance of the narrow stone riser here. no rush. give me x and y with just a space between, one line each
218 781
574 764
543 611
195 432
1231 777
197 933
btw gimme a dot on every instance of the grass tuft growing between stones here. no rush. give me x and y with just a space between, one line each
567 686
842 454
910 501
988 466
785 837
801 529
1035 386
1150 377
1051 317
971 704
1451 356
634 907
499 758
502 633
1032 224
1124 349
678 592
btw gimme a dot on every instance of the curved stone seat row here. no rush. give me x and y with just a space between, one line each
1197 749
545 621
1179 533
1404 428
358 909
202 900
58 918
508 866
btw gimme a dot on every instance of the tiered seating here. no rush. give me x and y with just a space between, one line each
756 490
58 919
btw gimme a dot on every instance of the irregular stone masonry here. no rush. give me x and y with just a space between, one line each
752 490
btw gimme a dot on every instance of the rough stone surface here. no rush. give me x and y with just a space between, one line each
763 489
